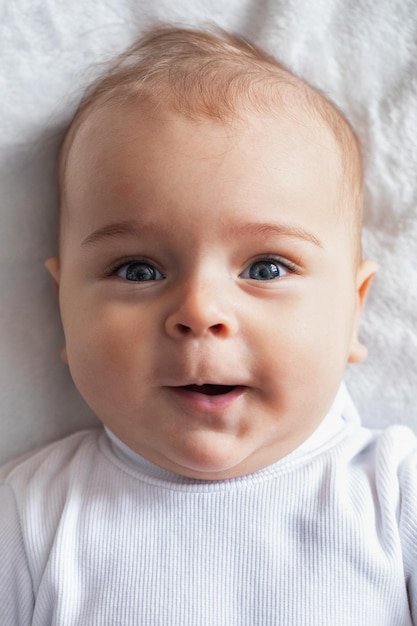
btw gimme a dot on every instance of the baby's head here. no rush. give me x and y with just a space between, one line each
210 275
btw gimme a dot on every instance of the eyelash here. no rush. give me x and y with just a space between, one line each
112 269
291 266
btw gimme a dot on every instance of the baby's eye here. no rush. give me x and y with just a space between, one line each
139 271
265 269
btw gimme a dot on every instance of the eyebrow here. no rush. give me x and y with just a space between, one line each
252 229
256 229
112 231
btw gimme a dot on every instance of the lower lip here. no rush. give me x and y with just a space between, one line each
203 402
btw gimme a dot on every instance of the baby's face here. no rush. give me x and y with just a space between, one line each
207 285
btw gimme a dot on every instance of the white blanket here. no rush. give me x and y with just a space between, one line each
361 53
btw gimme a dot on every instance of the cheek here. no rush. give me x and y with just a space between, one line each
310 333
107 345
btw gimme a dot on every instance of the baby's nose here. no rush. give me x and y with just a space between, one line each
202 310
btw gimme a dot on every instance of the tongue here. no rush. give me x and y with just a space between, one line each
210 390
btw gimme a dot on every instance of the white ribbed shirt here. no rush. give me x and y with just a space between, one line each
91 534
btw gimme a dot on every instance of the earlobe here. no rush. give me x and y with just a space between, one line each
53 267
366 272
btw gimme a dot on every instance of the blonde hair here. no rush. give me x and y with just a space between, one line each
214 74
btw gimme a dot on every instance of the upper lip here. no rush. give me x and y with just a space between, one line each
179 374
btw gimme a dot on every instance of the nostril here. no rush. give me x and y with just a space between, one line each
183 329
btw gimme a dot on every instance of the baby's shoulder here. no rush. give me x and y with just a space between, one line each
396 485
51 461
395 447
391 450
385 459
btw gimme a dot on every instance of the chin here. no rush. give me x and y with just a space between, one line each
212 463
204 458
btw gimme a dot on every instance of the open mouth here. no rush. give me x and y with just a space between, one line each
210 390
209 398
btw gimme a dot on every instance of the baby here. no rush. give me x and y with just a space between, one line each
210 283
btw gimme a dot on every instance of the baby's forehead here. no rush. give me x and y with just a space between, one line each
116 144
105 141
103 123
113 135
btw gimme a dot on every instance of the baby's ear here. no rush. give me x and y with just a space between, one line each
366 272
52 265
